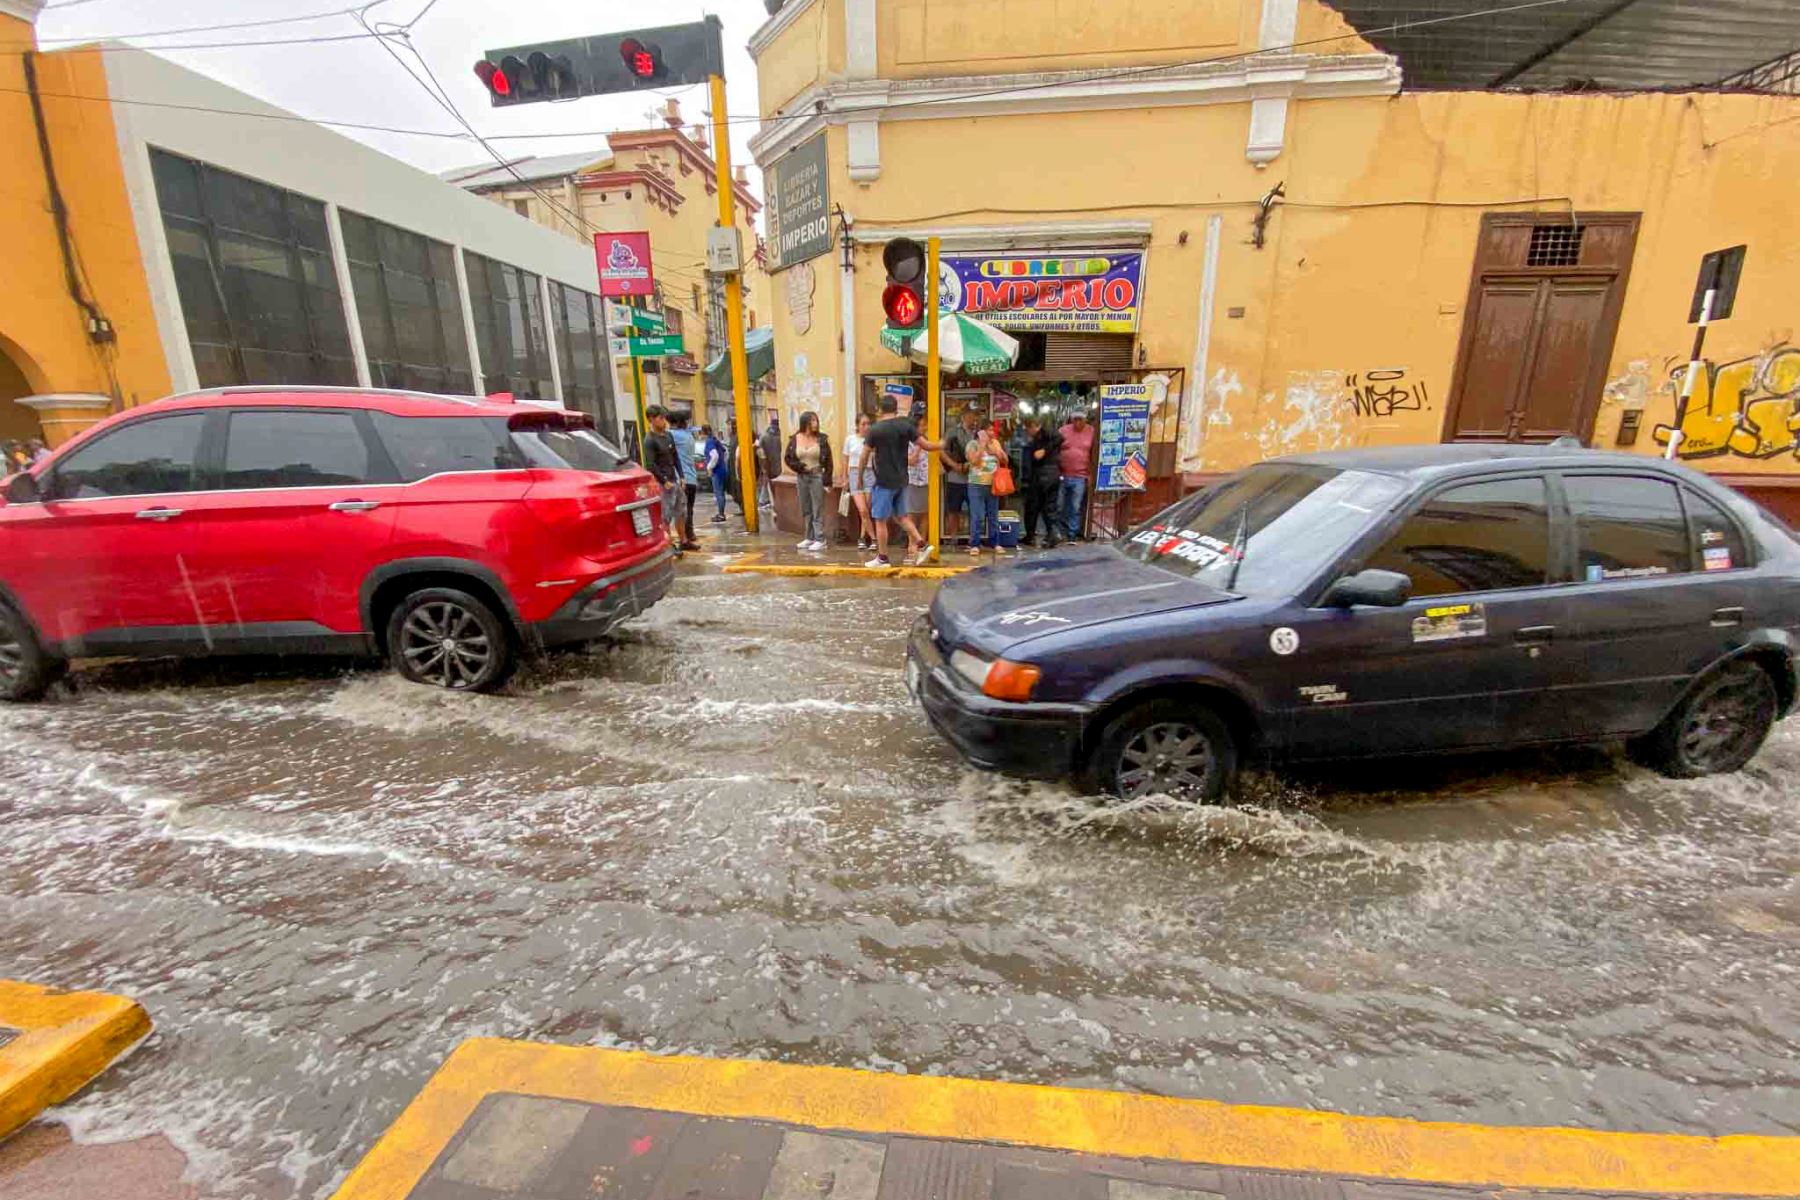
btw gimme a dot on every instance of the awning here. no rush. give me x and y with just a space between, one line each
970 347
759 355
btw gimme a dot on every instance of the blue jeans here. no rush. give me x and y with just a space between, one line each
718 482
984 515
1069 512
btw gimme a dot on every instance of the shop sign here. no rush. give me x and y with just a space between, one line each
1082 291
1124 437
624 264
799 195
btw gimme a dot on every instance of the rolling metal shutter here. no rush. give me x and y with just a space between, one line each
1084 353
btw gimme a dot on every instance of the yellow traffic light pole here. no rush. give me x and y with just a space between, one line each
734 311
934 412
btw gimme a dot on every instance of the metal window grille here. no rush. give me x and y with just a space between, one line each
1555 246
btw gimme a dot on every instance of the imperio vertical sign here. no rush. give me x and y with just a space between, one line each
799 191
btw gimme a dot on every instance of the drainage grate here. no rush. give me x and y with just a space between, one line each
1555 246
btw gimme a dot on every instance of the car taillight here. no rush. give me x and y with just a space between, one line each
1011 680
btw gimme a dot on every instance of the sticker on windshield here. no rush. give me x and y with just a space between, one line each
1717 558
1449 622
1200 549
1284 641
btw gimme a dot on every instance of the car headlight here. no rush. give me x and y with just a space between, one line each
970 667
1000 679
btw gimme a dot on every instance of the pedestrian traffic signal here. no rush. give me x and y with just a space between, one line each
667 56
903 300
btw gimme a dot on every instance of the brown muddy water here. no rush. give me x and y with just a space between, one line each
728 833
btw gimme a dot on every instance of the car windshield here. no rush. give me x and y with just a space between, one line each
572 449
1277 523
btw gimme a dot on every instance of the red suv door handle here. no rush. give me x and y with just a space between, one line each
158 514
356 506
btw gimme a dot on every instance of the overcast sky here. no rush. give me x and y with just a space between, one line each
357 80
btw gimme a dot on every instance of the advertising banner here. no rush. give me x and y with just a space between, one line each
1082 291
624 264
1124 437
799 195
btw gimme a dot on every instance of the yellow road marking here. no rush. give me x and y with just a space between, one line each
65 1040
752 564
1110 1123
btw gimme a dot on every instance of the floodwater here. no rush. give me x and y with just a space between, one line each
727 832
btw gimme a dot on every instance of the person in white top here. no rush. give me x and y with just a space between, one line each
859 488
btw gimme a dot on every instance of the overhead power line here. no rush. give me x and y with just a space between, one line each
156 33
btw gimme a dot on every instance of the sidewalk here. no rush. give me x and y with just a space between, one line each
517 1121
773 552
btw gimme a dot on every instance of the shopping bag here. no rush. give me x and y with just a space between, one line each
1003 482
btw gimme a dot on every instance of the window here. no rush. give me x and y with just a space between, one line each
1479 537
254 272
408 307
279 449
1264 531
1715 535
672 321
1554 246
522 207
425 446
144 458
509 328
568 449
581 347
1627 527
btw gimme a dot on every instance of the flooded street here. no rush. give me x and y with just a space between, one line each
728 832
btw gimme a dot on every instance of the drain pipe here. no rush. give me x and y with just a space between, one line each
99 329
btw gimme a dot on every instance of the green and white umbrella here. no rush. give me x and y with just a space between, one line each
970 347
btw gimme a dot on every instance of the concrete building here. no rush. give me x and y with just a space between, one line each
198 237
665 181
1325 239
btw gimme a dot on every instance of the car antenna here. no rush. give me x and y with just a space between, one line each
1237 546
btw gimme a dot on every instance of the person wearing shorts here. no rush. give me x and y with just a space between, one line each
887 449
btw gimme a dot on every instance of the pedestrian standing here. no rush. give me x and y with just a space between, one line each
956 474
40 453
1040 478
718 470
809 457
856 484
918 485
886 448
770 462
1077 454
687 459
665 467
985 456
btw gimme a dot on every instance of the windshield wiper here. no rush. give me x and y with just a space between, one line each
1237 546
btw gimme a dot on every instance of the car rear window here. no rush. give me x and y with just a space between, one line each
426 446
568 449
1627 527
1265 531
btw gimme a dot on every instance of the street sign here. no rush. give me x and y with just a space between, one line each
622 317
652 346
1719 272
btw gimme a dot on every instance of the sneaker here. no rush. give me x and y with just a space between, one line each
718 518
803 544
864 545
815 544
879 562
974 551
1001 552
923 556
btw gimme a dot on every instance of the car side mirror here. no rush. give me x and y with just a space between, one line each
23 489
1373 586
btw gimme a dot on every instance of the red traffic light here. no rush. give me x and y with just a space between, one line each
493 78
642 59
902 304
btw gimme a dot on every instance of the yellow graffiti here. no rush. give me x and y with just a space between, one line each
1747 407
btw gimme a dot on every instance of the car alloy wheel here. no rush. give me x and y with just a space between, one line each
1172 758
12 658
1727 722
444 643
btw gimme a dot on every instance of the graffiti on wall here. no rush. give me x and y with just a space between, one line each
1384 391
1747 407
1319 407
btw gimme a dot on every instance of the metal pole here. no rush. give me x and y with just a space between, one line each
934 411
1676 436
734 311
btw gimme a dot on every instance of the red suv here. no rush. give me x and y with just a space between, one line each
449 534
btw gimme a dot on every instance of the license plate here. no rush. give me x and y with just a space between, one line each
640 522
912 678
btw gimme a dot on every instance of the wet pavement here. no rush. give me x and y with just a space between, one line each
727 832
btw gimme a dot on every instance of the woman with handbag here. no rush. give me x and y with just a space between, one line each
989 479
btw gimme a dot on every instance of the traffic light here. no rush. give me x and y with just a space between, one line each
903 300
666 56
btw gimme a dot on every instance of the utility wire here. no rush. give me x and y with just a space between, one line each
155 33
16 48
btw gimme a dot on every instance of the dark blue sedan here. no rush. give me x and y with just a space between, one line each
1381 602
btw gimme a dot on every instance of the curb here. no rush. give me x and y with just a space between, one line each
62 1041
753 565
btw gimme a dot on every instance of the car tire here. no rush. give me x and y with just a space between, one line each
1181 748
447 638
27 669
1717 728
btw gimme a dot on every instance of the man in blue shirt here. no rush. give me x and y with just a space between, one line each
690 478
717 466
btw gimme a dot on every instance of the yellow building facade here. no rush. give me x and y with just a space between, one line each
663 181
78 337
1327 260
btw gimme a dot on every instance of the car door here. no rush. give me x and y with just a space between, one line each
1661 592
300 515
1469 661
108 553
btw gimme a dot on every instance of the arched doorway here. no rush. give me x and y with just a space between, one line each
17 422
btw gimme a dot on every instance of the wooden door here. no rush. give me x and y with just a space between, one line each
1543 309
